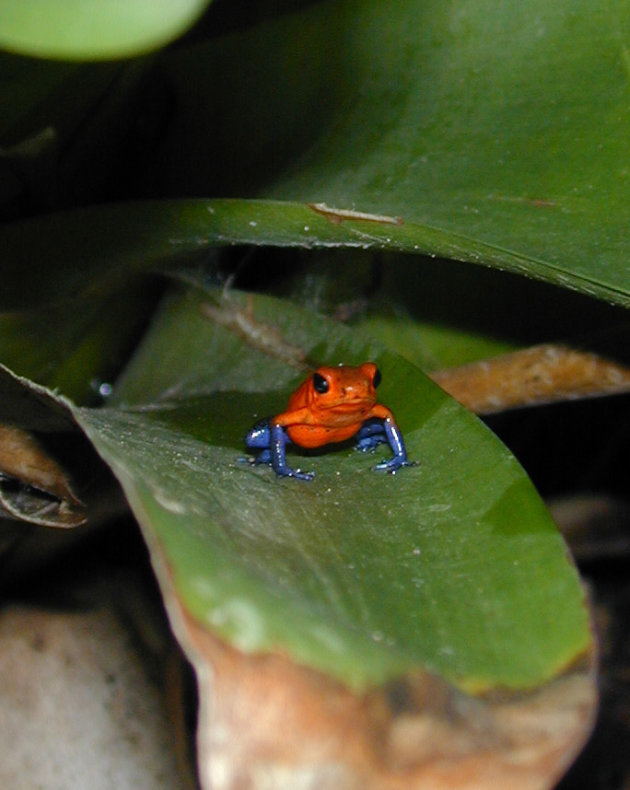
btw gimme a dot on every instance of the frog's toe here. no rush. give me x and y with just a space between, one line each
393 465
297 473
303 475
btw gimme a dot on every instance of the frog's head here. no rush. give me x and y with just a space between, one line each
344 389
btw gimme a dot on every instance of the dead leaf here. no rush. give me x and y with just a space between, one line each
33 486
541 374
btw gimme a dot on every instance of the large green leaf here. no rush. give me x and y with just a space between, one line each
453 564
502 121
95 29
98 248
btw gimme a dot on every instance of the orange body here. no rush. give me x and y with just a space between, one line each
332 405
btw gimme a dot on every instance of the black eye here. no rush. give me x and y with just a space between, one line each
320 383
377 378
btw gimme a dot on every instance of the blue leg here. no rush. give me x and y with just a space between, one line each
278 443
272 443
370 435
259 438
395 441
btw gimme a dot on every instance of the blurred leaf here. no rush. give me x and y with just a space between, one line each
452 565
26 86
98 29
502 123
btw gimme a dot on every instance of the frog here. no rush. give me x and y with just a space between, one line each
332 405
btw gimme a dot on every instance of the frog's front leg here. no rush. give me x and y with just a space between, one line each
277 445
393 437
395 441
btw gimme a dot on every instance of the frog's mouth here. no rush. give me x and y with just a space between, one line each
354 406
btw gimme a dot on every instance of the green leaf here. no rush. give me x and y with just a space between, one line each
431 346
95 250
75 29
502 123
453 564
446 313
78 262
77 348
29 406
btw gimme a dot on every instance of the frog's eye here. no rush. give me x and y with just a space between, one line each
320 383
377 378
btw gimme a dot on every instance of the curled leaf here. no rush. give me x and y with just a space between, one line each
33 486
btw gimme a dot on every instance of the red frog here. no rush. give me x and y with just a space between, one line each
332 405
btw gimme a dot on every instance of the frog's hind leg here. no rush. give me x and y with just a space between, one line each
370 435
259 438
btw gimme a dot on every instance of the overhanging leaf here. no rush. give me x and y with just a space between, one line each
503 122
96 249
453 565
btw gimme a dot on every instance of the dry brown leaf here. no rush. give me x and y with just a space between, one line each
33 486
541 374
